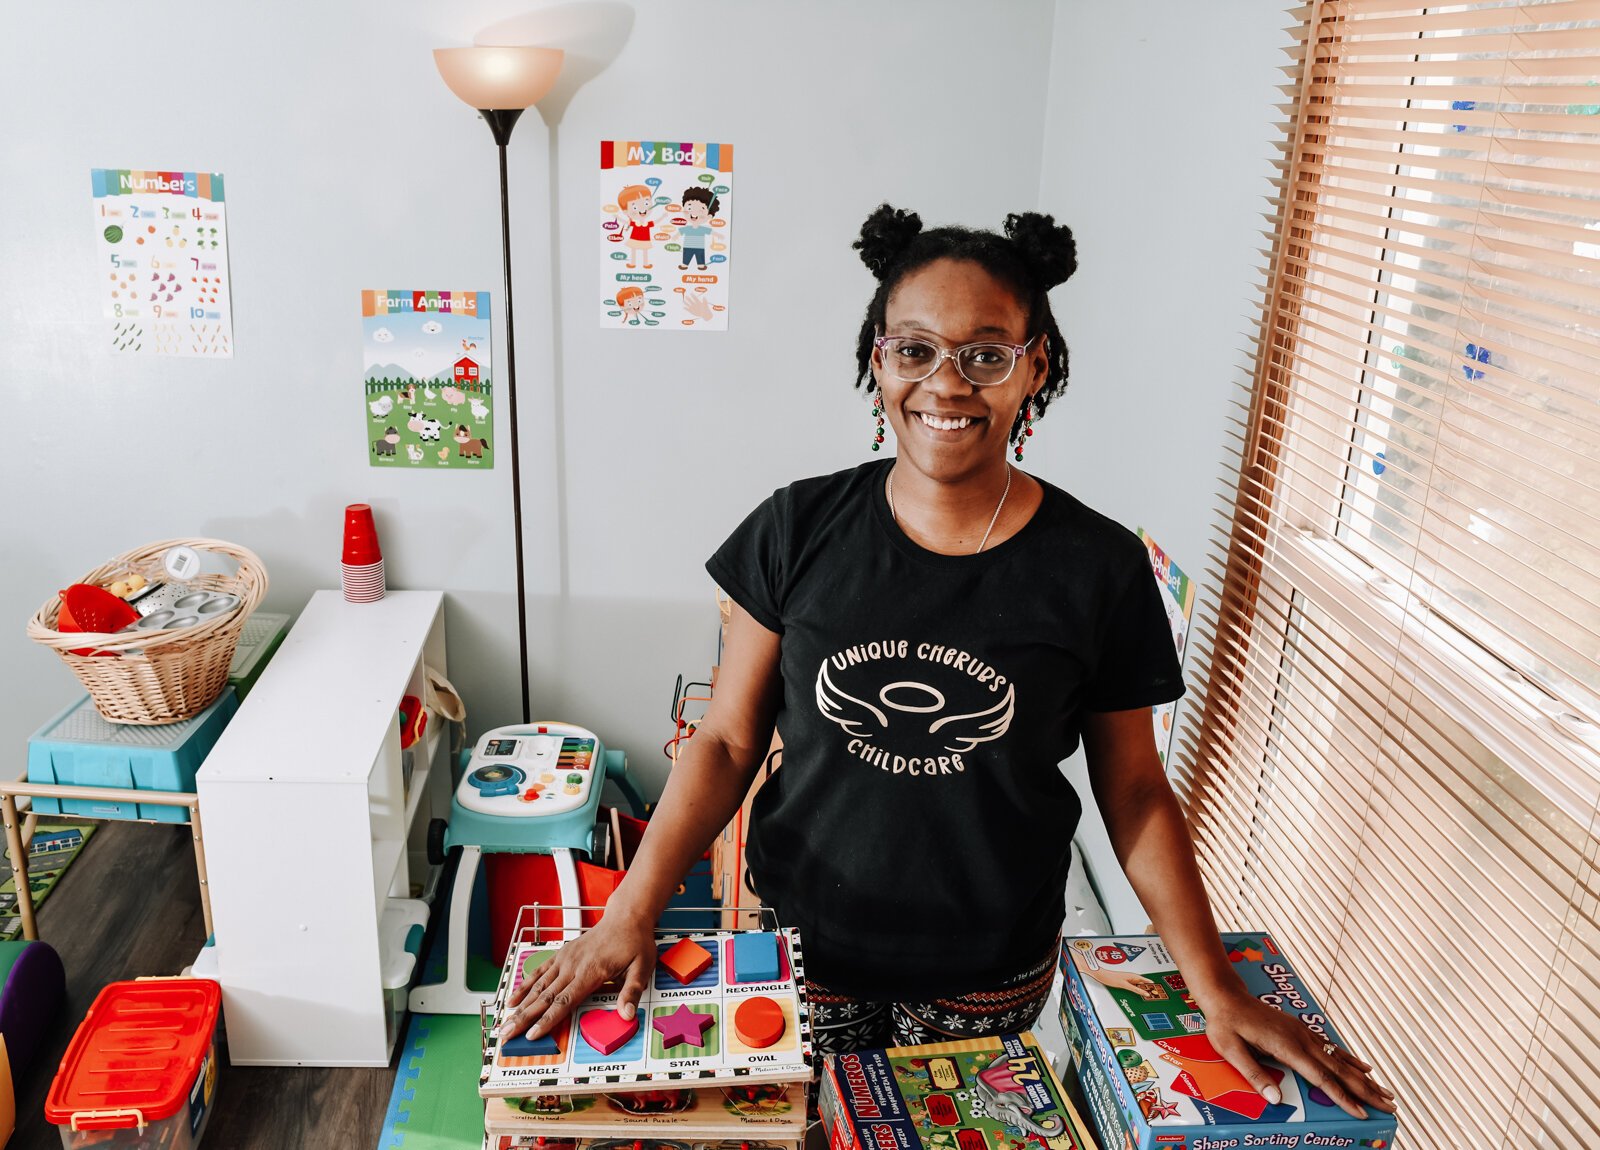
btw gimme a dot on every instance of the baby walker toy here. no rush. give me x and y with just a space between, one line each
525 789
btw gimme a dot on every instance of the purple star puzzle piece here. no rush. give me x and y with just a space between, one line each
683 1026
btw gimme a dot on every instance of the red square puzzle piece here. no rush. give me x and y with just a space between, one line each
686 960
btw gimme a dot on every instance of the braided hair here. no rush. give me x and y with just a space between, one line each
1033 256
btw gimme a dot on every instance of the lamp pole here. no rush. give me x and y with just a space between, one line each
501 121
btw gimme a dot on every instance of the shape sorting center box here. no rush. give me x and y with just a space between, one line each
1150 1076
721 1025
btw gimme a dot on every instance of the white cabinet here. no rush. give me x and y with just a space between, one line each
310 829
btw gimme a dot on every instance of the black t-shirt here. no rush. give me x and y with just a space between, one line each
918 832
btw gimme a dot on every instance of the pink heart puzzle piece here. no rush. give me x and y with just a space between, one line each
606 1030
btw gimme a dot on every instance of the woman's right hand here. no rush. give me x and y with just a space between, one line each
617 948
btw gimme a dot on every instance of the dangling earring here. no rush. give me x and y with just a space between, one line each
1027 430
877 413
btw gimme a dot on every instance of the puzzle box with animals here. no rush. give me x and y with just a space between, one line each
721 1008
769 1115
976 1094
1152 1079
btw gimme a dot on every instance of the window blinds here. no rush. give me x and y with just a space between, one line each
1397 764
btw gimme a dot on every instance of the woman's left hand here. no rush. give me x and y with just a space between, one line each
1240 1026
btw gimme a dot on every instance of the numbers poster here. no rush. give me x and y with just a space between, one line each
665 226
162 260
429 396
1177 595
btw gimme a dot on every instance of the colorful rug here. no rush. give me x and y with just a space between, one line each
49 854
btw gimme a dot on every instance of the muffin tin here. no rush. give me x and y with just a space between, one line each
185 609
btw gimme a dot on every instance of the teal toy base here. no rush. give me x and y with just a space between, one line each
499 835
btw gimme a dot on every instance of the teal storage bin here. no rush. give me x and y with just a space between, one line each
79 748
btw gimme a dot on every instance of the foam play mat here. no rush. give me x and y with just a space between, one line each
435 1104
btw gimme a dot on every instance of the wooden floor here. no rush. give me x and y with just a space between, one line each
129 906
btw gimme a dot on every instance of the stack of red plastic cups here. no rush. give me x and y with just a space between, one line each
363 561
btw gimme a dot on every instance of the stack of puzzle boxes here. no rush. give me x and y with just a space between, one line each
1152 1080
975 1094
717 1056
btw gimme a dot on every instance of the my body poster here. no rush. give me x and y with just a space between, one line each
162 254
429 391
1177 595
666 226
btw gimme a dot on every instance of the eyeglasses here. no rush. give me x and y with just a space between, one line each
980 364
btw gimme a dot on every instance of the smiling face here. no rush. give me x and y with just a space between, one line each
945 427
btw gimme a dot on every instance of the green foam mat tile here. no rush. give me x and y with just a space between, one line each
435 1103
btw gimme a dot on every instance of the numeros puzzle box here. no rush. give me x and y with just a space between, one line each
977 1094
1151 1079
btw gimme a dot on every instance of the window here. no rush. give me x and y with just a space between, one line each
1398 764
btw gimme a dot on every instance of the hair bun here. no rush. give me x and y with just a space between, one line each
885 237
1048 247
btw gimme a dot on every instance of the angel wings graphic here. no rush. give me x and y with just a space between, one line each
866 720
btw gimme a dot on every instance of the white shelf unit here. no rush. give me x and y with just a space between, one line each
309 829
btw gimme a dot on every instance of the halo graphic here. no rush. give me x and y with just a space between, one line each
923 688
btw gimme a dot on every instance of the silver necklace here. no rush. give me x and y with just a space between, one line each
888 493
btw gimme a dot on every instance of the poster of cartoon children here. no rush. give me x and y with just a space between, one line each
666 223
1177 595
425 362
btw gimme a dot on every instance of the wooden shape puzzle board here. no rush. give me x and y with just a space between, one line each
642 1062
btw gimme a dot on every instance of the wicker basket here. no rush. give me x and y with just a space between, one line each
158 676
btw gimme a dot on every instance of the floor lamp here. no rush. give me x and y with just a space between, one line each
502 83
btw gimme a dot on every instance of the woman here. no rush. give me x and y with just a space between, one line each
932 635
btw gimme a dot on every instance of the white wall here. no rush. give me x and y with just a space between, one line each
1098 113
1157 150
350 166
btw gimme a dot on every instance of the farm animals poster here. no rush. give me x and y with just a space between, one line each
665 235
162 251
429 392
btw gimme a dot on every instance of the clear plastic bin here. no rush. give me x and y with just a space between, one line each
141 1071
399 942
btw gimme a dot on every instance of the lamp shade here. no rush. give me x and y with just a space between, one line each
496 77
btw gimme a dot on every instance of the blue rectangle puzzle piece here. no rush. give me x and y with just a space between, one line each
755 957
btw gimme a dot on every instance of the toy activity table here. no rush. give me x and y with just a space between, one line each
531 788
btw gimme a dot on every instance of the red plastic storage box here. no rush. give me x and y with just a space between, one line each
142 1068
